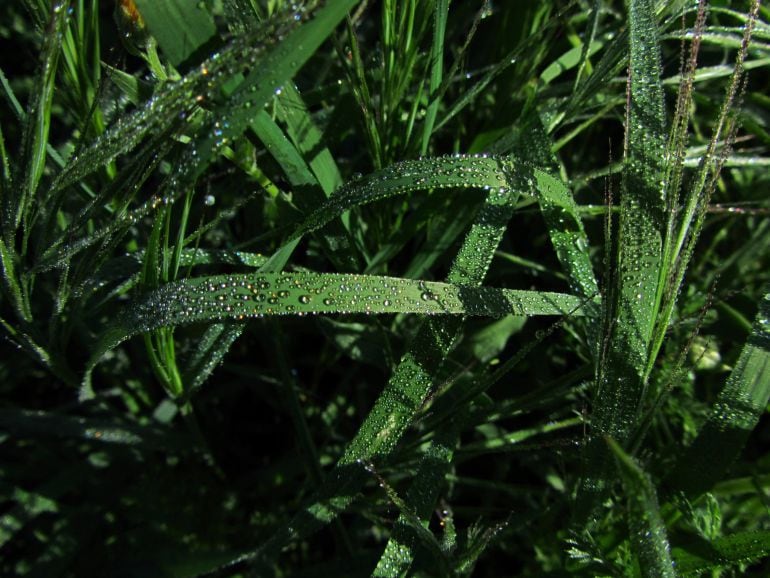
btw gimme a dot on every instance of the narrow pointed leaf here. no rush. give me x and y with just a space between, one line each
735 413
648 533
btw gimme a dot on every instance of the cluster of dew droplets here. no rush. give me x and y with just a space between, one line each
256 295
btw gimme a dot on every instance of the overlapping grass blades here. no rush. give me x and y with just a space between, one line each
112 252
271 66
413 378
569 240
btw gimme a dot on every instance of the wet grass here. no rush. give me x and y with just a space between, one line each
386 288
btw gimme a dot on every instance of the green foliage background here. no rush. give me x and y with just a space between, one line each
395 288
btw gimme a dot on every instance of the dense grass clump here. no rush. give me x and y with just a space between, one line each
396 288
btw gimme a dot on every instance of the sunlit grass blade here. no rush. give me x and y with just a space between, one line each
239 297
735 413
459 171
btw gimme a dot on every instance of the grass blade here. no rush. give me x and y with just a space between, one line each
239 297
735 413
179 27
38 120
630 309
697 556
441 11
648 533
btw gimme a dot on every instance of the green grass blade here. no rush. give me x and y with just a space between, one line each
459 171
239 297
697 556
308 139
209 352
307 191
180 27
420 501
648 533
642 202
735 413
441 11
630 309
41 424
39 116
568 236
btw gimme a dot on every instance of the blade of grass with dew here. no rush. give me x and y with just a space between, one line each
399 552
630 307
179 27
698 556
560 211
734 415
649 540
244 296
38 123
449 172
